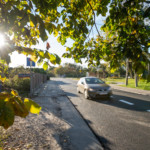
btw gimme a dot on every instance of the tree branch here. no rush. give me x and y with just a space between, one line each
89 32
94 18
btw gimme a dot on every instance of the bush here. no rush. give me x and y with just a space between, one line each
51 74
19 84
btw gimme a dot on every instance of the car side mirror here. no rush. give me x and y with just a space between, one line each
82 83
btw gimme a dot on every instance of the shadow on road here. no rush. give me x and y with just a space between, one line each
61 82
71 94
139 105
104 142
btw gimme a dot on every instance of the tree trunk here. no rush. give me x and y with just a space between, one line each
127 70
103 75
119 75
148 68
131 71
97 74
136 79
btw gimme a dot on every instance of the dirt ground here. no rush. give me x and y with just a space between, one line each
37 132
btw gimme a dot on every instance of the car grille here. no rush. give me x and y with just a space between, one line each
102 90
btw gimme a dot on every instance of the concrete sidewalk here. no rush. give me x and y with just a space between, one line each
80 135
131 90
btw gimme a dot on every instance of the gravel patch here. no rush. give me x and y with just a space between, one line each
44 131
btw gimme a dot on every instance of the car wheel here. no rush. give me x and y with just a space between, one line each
110 97
86 94
78 90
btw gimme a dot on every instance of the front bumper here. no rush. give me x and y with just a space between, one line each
96 94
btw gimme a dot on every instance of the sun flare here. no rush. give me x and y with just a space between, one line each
2 40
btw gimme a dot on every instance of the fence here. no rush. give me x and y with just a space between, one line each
36 81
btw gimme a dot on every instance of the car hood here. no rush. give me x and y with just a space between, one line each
96 86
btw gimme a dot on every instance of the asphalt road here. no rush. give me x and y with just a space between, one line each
120 124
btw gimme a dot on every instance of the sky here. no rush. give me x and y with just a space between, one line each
55 47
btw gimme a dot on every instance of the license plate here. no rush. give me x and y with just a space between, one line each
103 93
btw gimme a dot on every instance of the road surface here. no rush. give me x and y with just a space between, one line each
120 124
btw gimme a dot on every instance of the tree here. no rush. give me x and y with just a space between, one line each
128 20
59 70
128 36
23 22
70 70
18 70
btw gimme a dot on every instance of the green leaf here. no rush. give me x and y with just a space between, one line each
2 79
14 92
45 66
58 60
40 62
19 107
47 55
6 114
43 34
33 19
55 32
59 39
53 59
41 53
66 55
32 106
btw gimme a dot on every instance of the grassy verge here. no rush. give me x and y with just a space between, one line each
75 79
142 84
115 80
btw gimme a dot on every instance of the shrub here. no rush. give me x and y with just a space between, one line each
20 84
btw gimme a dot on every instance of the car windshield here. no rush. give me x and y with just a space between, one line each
93 81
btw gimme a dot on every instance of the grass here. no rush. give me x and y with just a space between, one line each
75 78
142 84
114 80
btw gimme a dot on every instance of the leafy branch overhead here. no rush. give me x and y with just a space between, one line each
126 34
28 20
129 34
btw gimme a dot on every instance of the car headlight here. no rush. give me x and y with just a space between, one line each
90 89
